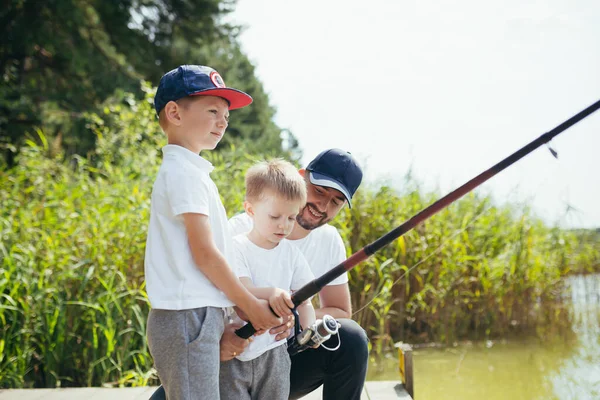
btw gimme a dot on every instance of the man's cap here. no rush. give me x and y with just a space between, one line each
196 80
336 169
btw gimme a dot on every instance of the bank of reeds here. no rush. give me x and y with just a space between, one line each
474 271
72 302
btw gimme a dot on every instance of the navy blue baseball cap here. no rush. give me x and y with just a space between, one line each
336 169
196 80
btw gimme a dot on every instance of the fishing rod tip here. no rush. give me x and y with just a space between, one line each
554 153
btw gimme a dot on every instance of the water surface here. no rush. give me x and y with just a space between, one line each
559 366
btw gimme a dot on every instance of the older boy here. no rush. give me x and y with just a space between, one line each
270 267
188 248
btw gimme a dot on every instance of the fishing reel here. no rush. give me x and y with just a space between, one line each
313 336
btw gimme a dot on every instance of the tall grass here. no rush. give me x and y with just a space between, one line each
475 270
73 306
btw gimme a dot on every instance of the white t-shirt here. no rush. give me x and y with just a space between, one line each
183 185
282 267
323 247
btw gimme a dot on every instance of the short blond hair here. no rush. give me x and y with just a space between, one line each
277 175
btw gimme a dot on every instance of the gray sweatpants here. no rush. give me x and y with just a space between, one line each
185 347
265 377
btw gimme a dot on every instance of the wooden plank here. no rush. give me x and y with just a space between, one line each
140 393
408 365
374 390
384 390
405 362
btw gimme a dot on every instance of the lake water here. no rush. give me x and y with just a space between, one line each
561 366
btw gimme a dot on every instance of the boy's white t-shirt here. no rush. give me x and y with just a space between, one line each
282 267
183 185
323 248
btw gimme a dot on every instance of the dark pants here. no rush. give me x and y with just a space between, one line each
342 372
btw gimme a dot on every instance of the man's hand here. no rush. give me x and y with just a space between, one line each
284 330
231 344
281 302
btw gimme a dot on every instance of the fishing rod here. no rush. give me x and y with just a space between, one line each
315 286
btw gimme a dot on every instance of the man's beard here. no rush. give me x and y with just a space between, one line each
309 225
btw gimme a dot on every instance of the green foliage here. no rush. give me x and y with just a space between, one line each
473 271
73 309
61 60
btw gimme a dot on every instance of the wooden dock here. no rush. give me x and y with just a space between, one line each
374 390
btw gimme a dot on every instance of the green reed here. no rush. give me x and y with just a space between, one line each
475 270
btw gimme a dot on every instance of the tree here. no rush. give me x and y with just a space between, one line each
60 59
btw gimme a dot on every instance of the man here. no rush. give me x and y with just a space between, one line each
331 180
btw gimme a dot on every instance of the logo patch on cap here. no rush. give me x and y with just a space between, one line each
217 80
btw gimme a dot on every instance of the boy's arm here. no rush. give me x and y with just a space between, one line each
279 300
213 265
260 293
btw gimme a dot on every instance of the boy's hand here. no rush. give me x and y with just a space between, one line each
261 316
281 302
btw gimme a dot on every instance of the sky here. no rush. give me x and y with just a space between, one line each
445 89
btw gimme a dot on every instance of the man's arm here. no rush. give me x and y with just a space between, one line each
335 298
213 265
306 313
335 301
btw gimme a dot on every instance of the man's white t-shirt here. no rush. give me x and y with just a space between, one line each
183 185
282 267
323 248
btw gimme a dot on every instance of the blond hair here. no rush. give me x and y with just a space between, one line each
277 175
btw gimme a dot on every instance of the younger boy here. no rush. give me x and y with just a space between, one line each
188 248
270 267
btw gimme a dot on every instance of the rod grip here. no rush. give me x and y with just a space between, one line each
248 330
245 331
